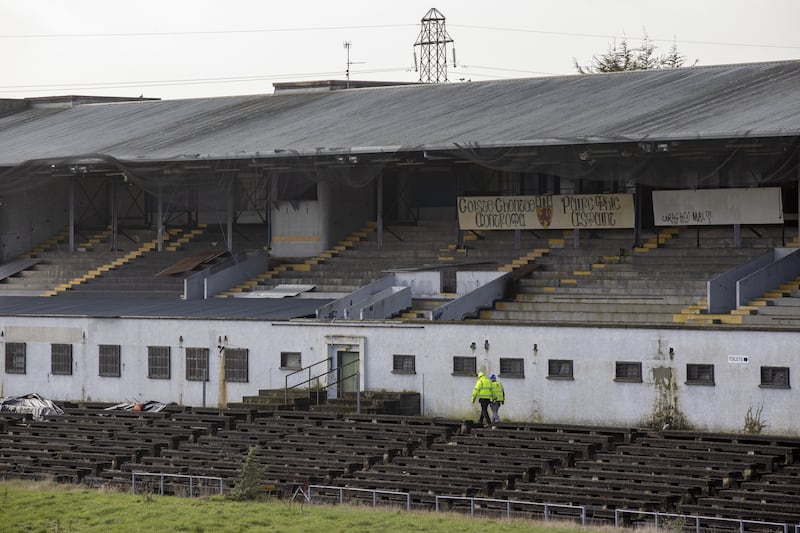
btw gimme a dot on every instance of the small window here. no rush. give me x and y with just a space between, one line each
630 371
464 366
697 374
559 369
196 364
512 368
775 377
291 361
403 364
158 362
109 360
15 357
61 359
236 365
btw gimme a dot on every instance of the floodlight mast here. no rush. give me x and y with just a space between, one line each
432 42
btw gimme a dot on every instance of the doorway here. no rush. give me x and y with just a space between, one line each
347 370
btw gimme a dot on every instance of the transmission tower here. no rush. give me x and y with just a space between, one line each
432 42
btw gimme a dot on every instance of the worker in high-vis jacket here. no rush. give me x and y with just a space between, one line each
483 392
498 398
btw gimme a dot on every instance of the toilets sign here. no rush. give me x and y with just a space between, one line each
569 211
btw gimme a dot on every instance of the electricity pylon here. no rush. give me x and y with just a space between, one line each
432 42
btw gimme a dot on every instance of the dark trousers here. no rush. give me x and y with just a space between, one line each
484 410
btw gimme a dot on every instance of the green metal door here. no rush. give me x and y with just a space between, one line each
347 372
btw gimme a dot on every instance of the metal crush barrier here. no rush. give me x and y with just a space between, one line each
667 521
194 482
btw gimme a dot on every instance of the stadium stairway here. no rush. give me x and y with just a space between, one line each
605 282
144 271
282 272
58 268
134 265
778 308
358 260
370 402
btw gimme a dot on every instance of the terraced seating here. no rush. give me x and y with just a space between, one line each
771 497
599 282
776 450
751 477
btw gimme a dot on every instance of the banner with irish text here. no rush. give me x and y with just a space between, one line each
567 211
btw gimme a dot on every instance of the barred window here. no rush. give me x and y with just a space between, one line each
15 357
775 377
109 360
403 364
61 359
699 374
465 366
291 360
236 364
630 371
559 369
158 362
512 367
196 364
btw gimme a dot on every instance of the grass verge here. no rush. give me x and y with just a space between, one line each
54 508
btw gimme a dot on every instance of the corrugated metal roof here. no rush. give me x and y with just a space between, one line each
732 101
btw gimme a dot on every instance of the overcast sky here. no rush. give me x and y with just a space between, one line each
186 48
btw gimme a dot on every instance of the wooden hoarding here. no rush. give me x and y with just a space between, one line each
569 211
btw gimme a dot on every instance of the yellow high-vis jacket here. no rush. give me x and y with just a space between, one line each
483 388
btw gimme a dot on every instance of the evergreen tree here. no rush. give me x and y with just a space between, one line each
249 485
620 57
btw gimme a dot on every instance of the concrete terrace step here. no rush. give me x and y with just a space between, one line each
598 308
607 317
621 298
575 290
691 284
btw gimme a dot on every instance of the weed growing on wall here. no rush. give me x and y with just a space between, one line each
754 423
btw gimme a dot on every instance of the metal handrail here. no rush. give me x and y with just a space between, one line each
309 367
318 376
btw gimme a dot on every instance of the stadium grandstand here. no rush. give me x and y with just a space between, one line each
322 271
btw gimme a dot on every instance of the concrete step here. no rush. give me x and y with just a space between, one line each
615 291
787 301
622 298
690 285
772 321
779 310
607 317
590 307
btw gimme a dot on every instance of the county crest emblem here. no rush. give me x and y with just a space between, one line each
545 216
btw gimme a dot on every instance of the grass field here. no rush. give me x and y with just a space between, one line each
44 507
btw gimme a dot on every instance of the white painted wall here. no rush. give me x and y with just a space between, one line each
297 229
593 397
